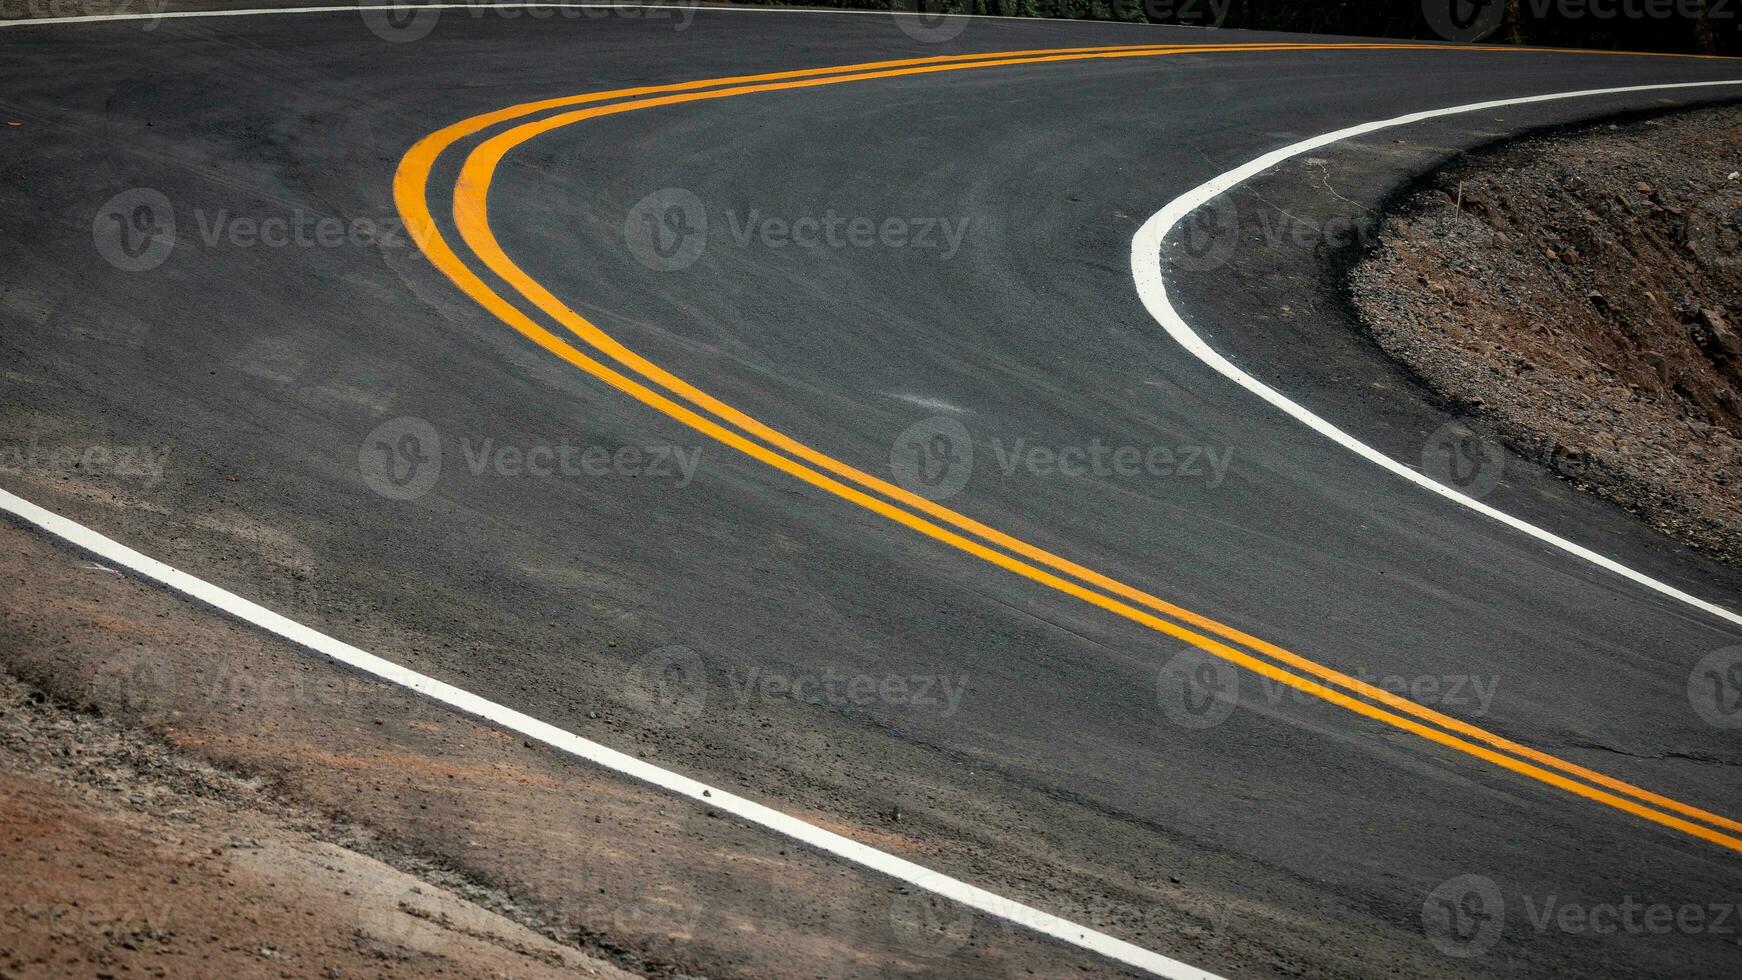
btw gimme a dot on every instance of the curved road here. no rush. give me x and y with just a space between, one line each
1351 729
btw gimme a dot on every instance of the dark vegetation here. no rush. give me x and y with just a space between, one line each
1690 26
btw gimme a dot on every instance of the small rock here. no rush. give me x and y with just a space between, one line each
1720 339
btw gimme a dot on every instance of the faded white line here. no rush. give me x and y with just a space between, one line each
507 718
1146 255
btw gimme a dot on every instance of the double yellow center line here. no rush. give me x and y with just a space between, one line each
728 425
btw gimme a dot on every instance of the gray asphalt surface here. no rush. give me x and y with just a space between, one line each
1289 837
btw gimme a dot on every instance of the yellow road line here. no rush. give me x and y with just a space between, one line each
470 213
471 216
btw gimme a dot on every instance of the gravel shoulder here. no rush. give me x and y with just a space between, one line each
1577 296
179 791
126 857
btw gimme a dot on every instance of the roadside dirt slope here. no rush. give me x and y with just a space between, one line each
1580 295
125 858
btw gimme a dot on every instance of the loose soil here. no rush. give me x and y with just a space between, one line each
1580 295
123 857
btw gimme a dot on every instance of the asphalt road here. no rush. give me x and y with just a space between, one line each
1029 741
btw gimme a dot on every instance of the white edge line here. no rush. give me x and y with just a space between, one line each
701 5
1146 270
507 718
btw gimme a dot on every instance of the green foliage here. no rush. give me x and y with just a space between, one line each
1703 26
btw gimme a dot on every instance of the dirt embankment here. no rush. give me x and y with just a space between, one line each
1581 295
184 792
122 857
